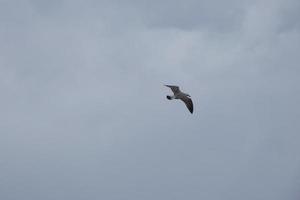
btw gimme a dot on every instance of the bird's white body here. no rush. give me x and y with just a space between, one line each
172 97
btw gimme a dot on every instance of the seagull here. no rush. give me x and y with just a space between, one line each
182 96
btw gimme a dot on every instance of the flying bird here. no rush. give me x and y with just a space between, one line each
182 96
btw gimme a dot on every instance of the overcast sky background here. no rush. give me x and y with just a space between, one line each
84 114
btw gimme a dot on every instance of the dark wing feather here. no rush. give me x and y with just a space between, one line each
174 88
189 103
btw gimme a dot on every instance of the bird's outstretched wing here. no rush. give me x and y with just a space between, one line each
174 88
188 102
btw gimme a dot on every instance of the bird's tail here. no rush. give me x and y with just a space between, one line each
169 97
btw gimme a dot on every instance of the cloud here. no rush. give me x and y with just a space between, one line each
83 109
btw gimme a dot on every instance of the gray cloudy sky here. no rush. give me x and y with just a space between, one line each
84 113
